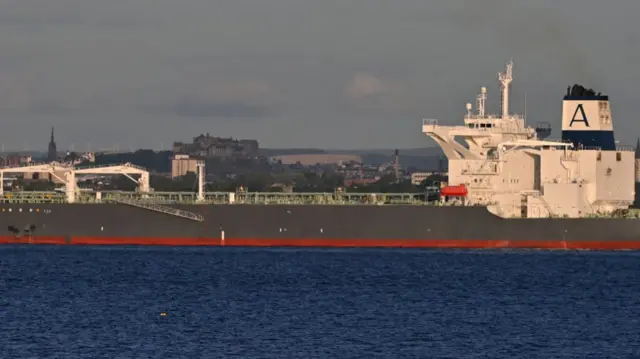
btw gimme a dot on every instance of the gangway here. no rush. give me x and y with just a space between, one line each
158 208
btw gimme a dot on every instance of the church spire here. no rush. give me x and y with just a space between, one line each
52 155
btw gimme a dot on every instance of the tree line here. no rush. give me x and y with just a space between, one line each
252 175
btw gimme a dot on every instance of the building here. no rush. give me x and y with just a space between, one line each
57 178
206 145
315 159
183 164
360 181
73 158
418 177
14 160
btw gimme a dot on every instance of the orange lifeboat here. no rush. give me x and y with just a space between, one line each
454 191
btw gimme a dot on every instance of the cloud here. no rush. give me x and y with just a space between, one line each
365 85
30 92
368 92
40 14
217 109
221 98
16 91
139 68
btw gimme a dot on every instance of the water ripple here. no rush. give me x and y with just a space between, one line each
104 302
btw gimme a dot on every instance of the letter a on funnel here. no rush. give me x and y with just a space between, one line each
581 118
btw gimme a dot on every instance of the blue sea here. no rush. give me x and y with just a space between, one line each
137 302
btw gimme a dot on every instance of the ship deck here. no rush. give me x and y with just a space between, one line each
257 221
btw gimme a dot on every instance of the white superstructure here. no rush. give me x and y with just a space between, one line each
508 167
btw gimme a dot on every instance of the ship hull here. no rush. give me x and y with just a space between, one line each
308 226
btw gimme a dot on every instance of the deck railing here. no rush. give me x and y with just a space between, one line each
263 198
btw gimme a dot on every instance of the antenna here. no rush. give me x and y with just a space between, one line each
505 80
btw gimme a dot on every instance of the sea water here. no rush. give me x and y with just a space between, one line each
153 302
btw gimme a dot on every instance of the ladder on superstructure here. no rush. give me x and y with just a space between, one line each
537 195
162 209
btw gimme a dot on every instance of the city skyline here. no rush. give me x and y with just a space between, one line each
302 74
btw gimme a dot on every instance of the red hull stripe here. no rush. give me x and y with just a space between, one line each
320 242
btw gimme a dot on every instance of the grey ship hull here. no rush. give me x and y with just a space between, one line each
308 225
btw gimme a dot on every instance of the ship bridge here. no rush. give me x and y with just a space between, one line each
481 131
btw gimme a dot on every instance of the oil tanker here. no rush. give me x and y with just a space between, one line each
508 187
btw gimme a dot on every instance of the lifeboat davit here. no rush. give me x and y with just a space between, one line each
454 191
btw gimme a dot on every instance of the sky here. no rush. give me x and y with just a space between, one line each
345 74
